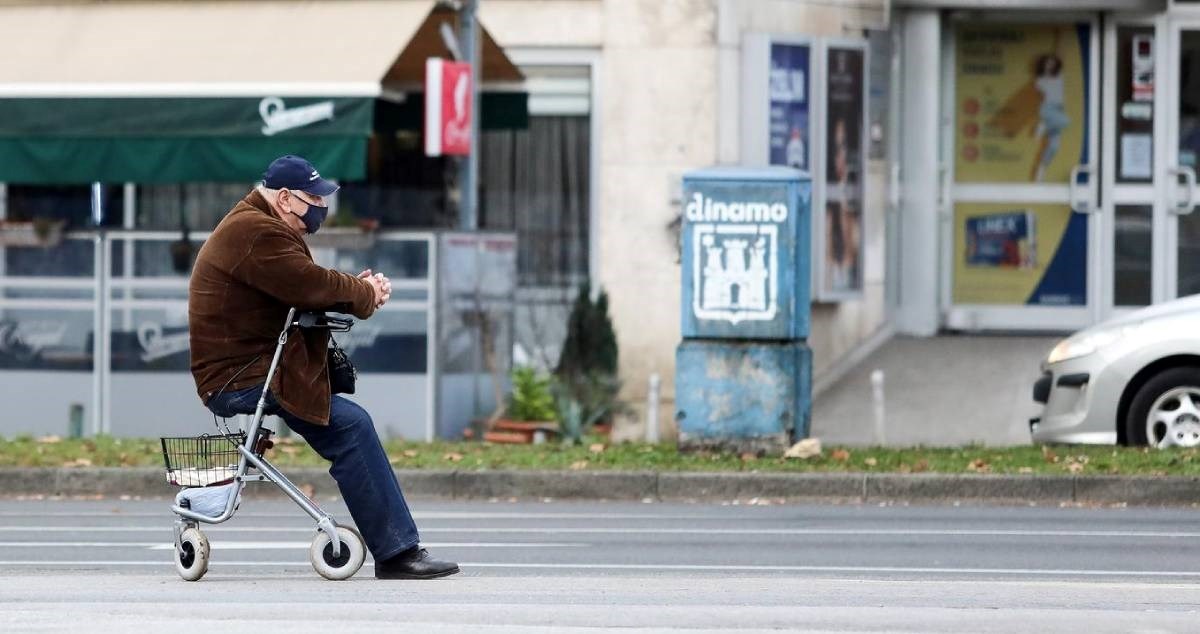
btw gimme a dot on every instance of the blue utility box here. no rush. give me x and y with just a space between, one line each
743 373
746 244
749 395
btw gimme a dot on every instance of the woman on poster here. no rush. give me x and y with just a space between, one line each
1040 106
842 224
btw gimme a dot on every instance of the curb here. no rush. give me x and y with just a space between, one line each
658 486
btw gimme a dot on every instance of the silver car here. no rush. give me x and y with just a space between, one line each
1132 380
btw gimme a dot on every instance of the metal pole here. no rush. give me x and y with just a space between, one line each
101 305
468 169
652 409
877 399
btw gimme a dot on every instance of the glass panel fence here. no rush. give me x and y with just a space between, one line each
48 319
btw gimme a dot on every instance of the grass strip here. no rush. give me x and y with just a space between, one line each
597 454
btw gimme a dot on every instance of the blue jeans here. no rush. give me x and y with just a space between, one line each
360 466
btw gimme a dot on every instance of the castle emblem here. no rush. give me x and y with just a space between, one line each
735 271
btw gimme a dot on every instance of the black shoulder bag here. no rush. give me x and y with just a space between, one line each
342 374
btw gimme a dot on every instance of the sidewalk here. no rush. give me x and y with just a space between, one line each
660 486
942 391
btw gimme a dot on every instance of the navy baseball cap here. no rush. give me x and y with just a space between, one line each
296 173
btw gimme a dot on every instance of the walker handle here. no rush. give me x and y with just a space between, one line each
318 319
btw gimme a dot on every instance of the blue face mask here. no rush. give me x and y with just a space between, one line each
313 217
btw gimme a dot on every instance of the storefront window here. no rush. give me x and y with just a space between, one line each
1132 259
1135 96
199 206
71 204
536 182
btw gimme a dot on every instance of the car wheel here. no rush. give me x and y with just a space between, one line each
1165 412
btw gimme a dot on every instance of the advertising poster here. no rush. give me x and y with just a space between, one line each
1002 240
1020 102
844 172
788 85
1019 254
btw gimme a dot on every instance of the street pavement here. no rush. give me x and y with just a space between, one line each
105 566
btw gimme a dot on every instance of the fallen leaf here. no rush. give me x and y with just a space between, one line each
577 466
79 462
979 465
749 456
453 457
1049 456
807 448
49 440
1025 470
596 448
410 453
921 466
1075 467
841 455
870 462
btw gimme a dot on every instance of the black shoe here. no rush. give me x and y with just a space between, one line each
415 563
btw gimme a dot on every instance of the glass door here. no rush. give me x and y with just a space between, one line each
1019 195
1133 176
1182 240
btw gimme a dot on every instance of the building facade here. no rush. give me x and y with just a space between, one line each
977 166
669 95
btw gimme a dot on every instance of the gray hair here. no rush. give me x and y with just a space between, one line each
266 192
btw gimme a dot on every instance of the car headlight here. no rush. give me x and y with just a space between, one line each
1084 344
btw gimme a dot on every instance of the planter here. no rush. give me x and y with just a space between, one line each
506 438
36 233
531 432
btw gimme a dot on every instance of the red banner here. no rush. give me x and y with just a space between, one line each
447 107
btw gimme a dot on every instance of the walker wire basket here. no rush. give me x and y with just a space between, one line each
207 460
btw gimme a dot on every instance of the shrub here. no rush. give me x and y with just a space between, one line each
587 386
531 398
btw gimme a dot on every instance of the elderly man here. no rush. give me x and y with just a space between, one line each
253 268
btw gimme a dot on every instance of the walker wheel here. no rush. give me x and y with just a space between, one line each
348 561
192 562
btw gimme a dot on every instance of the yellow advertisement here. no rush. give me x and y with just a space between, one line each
1020 102
1019 254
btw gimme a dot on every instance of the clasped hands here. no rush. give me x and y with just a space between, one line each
381 284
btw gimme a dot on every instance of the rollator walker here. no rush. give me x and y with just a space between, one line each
207 461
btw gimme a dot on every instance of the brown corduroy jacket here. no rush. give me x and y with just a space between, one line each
247 274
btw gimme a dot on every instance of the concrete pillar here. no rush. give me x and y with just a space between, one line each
920 86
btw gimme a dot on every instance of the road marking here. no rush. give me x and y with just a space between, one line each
681 568
276 545
304 545
428 515
539 530
77 544
853 569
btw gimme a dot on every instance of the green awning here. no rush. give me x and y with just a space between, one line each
172 140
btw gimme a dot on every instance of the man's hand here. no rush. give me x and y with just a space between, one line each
381 284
